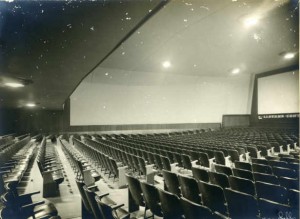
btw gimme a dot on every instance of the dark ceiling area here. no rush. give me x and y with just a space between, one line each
54 44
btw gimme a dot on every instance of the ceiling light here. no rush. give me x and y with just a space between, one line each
251 21
166 64
235 71
289 55
31 104
14 84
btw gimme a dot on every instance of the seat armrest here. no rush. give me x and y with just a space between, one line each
281 149
6 172
194 162
117 206
221 215
259 154
92 187
29 194
51 171
7 168
30 207
102 195
150 165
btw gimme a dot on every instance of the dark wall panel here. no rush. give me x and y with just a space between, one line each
236 120
30 121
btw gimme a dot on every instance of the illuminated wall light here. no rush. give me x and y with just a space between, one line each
235 71
166 64
14 85
31 104
251 21
289 55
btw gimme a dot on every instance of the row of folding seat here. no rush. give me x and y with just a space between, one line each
94 204
78 162
216 193
100 159
16 205
99 205
14 160
286 177
48 162
6 141
163 203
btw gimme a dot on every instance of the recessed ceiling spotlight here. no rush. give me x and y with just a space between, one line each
235 71
166 64
250 21
14 84
289 55
31 104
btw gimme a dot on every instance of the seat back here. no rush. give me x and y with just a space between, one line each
243 173
268 178
212 197
289 183
158 162
223 169
219 179
203 159
259 161
93 204
260 168
186 161
252 151
242 185
108 212
294 198
166 163
189 188
285 172
171 182
193 210
177 157
135 190
200 174
241 205
219 157
84 199
151 197
270 209
170 204
272 192
243 165
276 163
234 155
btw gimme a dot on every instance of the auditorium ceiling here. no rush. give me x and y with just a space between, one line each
53 45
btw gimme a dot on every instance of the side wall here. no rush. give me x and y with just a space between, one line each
22 121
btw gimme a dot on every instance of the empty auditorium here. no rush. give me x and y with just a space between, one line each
137 109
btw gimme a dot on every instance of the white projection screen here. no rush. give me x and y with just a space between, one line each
279 94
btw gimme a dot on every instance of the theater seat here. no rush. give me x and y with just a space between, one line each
271 209
213 197
241 205
193 210
189 188
170 204
171 182
200 174
151 197
271 192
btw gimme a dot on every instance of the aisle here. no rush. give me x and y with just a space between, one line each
68 204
